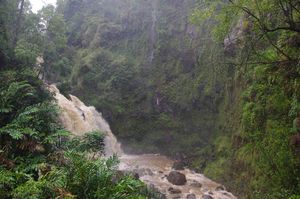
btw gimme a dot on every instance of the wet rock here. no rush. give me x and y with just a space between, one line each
178 166
207 197
176 178
149 172
155 192
174 191
220 188
226 194
191 196
133 174
143 172
196 184
176 197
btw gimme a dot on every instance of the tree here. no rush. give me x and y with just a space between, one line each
54 38
266 16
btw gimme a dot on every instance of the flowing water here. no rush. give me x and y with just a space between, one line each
152 168
79 119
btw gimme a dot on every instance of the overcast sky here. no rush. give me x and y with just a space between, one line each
38 4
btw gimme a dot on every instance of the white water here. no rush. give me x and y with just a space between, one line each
79 119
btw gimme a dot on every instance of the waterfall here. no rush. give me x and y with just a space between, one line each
152 169
79 119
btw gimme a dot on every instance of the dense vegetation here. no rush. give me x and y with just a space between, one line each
214 83
263 46
37 158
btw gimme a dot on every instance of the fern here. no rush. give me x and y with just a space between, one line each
14 94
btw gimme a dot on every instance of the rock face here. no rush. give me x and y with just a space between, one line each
232 42
176 178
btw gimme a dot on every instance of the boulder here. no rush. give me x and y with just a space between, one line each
191 196
176 178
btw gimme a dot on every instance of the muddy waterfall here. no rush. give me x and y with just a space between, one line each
155 170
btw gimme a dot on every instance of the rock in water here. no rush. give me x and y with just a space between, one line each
196 184
174 191
207 197
220 188
176 178
176 197
191 196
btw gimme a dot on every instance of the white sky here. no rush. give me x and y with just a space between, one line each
38 4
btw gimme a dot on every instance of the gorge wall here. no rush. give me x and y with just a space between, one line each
167 85
152 169
150 71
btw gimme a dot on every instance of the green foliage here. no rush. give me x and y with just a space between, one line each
30 135
90 142
167 86
28 119
262 161
294 197
34 159
95 178
26 52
